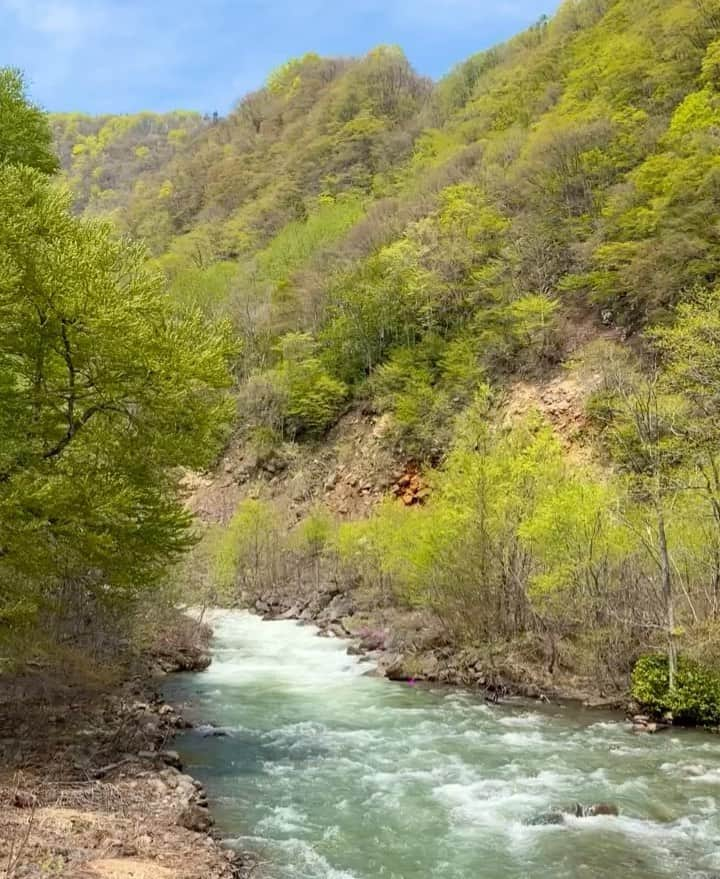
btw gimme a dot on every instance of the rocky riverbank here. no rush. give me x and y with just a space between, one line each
90 787
410 645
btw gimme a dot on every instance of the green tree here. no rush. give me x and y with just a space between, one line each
314 397
104 393
690 348
25 137
646 437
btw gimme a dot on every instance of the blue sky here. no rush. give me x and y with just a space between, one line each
117 56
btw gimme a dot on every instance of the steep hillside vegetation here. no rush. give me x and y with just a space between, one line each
105 156
418 251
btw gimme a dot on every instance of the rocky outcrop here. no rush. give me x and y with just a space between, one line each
410 487
340 607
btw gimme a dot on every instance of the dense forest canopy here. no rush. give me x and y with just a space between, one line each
371 237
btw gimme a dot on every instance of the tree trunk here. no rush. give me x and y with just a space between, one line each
666 575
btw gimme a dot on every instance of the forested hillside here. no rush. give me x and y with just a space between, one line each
105 155
414 251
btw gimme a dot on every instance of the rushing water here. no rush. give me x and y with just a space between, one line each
336 775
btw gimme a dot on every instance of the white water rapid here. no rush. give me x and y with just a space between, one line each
331 774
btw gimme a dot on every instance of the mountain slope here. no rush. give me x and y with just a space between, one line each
417 252
103 156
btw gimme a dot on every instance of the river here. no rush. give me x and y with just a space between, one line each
331 774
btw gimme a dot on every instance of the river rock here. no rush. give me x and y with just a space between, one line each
553 816
371 640
393 667
169 777
196 818
308 614
340 606
428 667
215 732
602 809
578 810
170 758
292 613
641 723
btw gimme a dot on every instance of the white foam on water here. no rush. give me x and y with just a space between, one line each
382 799
638 783
606 726
523 739
307 861
493 803
251 652
283 819
522 720
626 751
712 776
697 773
704 805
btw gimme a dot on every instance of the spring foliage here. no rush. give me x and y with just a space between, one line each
371 237
105 391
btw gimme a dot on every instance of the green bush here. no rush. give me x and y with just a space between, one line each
424 387
695 699
314 398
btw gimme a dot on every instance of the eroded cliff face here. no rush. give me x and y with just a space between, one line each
346 476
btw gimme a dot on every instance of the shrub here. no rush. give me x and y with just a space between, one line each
247 553
314 397
695 699
315 531
264 445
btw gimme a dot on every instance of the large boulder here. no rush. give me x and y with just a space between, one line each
170 758
392 666
340 607
602 809
428 667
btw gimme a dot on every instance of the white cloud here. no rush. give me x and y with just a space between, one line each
70 23
115 41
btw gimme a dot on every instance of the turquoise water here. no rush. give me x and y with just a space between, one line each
331 774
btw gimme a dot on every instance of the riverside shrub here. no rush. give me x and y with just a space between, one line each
695 699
